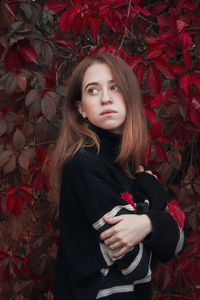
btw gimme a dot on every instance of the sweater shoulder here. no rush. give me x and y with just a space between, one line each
86 164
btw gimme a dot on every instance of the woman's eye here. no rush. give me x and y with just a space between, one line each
93 91
114 88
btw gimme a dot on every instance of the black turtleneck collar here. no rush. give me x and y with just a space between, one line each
109 142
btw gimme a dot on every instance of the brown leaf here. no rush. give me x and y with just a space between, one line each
49 105
10 165
11 84
4 156
28 128
35 108
18 139
32 96
24 161
11 116
3 127
21 81
47 54
29 152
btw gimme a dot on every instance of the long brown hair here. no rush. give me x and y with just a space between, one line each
75 132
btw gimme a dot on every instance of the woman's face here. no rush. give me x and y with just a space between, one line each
102 102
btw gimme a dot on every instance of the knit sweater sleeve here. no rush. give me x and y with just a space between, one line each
167 236
101 197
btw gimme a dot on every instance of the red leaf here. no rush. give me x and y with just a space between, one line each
94 25
154 79
139 72
16 270
66 19
186 41
163 66
195 79
37 179
178 69
128 198
41 154
6 274
55 5
15 204
161 152
155 50
27 197
184 83
12 60
3 255
156 129
28 52
157 100
151 114
181 25
11 190
134 61
194 115
187 60
176 212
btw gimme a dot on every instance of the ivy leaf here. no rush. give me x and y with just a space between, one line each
21 81
12 60
48 105
10 165
15 204
28 52
176 212
154 79
94 25
32 95
139 72
3 126
55 5
161 152
163 66
24 161
18 139
66 19
151 114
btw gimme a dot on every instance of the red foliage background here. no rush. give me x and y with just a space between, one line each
40 41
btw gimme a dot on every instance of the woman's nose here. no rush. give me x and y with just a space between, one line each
106 96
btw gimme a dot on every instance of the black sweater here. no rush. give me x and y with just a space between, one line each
93 186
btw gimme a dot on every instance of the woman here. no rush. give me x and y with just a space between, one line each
113 223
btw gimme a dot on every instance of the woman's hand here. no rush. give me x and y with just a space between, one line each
127 231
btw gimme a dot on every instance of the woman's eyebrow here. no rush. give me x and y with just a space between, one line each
97 83
91 83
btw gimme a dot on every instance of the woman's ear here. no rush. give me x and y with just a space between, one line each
80 109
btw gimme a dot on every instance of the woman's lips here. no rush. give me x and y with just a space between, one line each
107 112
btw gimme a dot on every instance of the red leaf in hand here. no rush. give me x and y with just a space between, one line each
28 52
55 5
161 152
128 198
154 79
176 212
